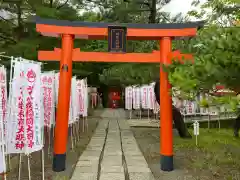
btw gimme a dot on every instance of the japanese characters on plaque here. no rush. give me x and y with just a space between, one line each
117 38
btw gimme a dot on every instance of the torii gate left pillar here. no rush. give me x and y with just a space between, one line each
84 30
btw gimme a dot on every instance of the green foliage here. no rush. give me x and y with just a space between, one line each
204 103
128 74
216 54
216 60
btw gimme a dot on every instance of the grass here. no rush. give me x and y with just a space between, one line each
217 151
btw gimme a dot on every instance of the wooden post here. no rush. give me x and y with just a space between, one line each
61 128
166 136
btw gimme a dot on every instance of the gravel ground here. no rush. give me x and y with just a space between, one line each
35 159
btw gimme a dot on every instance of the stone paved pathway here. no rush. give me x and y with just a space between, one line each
112 153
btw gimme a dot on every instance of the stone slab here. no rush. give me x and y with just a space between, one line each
129 157
141 176
114 141
138 168
89 158
129 140
112 176
87 163
84 176
113 131
98 142
126 133
111 157
131 149
137 163
99 138
91 153
94 148
112 146
112 153
95 139
111 161
87 169
109 147
133 153
101 132
112 169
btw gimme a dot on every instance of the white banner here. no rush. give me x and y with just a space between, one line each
144 97
3 97
85 98
73 111
48 98
151 97
74 99
190 107
56 84
24 133
136 98
128 97
2 160
3 117
82 94
80 97
70 112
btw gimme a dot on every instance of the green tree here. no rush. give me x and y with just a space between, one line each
216 53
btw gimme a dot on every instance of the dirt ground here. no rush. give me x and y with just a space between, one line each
35 159
217 156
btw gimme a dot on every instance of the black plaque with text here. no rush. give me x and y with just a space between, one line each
117 39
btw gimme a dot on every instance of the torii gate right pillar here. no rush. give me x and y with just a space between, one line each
166 135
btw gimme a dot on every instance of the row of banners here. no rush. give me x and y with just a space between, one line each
143 97
30 106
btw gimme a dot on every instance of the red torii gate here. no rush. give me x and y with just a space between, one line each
89 30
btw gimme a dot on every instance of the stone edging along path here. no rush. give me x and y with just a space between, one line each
112 154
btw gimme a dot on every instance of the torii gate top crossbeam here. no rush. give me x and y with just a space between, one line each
99 30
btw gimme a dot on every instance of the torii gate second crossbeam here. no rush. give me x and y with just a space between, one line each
88 30
78 56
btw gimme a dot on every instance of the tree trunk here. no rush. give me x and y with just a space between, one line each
153 12
51 3
177 116
236 126
19 29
